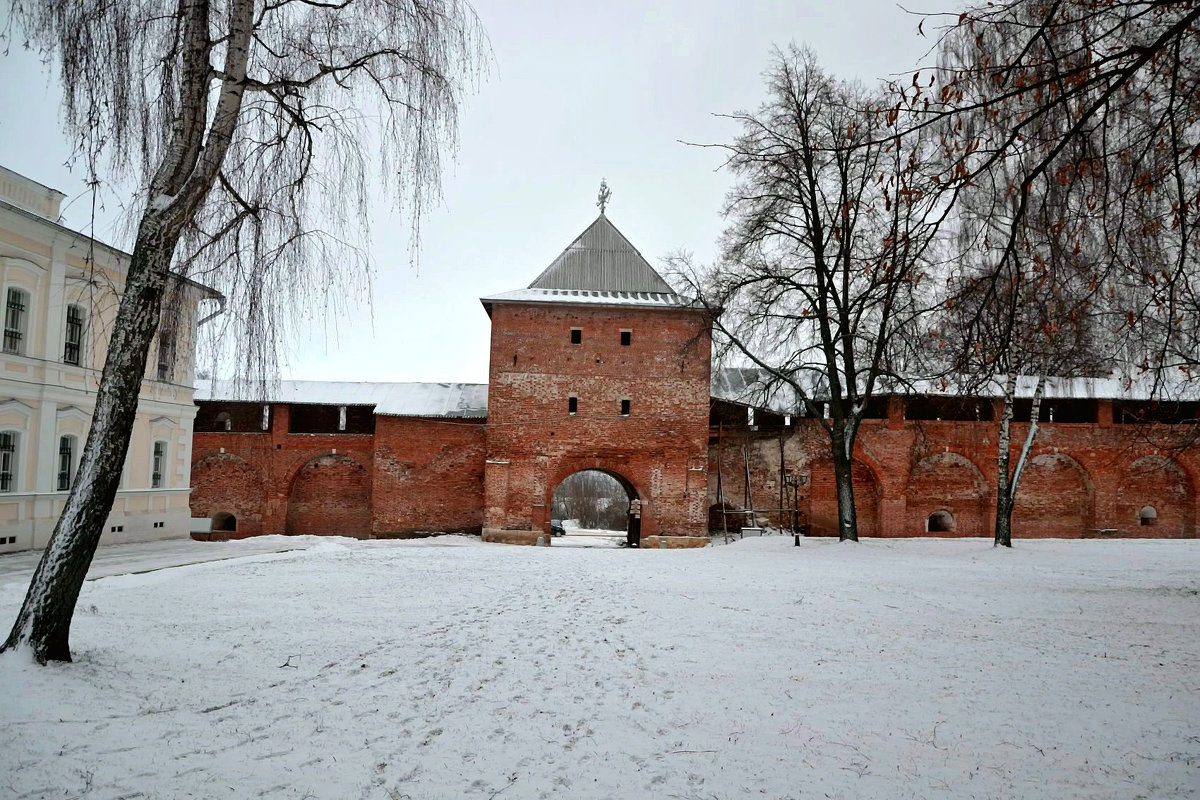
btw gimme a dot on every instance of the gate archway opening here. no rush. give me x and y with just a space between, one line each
596 507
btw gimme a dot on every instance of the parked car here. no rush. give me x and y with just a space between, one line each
556 528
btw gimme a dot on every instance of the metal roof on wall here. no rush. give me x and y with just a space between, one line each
389 399
601 259
751 386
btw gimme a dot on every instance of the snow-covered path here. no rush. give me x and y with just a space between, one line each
448 668
124 559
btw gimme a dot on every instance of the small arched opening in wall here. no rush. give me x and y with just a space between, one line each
223 522
940 522
1148 516
596 506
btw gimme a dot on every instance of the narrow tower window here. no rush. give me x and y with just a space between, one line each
626 338
576 335
572 405
624 408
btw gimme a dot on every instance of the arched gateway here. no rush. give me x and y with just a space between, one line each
596 499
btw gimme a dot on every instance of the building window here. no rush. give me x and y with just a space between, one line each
74 338
66 462
576 335
626 338
341 418
160 463
624 408
14 321
572 405
8 461
266 417
166 354
1148 515
223 422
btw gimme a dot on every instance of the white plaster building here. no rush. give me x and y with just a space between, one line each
59 290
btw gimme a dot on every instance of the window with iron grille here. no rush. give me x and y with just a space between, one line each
166 354
74 337
8 461
14 321
160 459
66 457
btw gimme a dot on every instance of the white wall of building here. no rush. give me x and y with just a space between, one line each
43 398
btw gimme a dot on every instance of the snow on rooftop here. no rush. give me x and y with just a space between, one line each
750 386
590 296
392 399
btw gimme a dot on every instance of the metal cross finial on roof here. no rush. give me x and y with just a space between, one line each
605 194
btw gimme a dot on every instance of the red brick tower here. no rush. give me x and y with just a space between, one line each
598 364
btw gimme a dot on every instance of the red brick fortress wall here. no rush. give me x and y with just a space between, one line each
428 476
658 451
1082 480
411 476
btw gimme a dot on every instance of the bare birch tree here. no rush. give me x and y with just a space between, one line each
831 231
252 128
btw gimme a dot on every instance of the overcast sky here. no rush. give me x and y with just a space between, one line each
578 91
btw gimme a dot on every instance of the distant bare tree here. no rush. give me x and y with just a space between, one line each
832 228
252 127
595 499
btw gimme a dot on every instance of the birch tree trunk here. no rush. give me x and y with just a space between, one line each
44 622
1008 481
184 177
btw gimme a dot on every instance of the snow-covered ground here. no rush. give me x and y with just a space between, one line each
122 559
588 537
448 668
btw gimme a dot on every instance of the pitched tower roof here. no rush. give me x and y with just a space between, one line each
600 267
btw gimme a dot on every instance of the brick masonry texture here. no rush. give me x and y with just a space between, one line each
1083 479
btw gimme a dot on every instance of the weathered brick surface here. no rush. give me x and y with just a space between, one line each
331 494
659 451
228 483
1083 479
428 476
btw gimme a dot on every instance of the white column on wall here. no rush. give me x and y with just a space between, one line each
46 457
56 303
